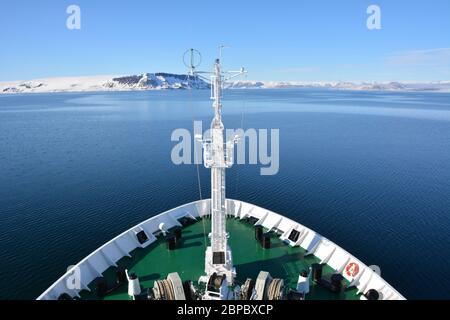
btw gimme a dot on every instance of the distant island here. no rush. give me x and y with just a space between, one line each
166 81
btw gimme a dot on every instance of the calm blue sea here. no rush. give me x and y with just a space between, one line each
368 170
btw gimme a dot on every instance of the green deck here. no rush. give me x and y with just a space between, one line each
155 262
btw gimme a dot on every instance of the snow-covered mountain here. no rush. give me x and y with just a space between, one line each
156 81
438 86
147 81
161 81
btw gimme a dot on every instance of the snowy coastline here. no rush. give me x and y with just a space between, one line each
162 81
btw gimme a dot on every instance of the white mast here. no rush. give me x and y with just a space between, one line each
218 156
218 256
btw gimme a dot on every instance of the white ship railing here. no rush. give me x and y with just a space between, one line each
106 256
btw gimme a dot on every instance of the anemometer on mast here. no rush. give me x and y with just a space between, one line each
192 59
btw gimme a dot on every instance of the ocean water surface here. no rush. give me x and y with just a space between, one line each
368 170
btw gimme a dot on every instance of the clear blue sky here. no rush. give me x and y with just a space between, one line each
275 40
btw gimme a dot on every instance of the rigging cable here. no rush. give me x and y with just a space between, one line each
199 183
244 109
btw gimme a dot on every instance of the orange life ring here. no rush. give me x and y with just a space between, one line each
352 269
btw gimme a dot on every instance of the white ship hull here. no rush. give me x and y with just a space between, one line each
328 252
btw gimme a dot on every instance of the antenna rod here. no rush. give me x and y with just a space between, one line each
192 60
217 83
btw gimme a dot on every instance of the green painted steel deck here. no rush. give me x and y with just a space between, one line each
155 262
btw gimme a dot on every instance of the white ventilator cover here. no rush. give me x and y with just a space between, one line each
303 284
162 227
134 287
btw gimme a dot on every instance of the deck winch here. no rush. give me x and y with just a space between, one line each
172 288
247 290
217 288
268 288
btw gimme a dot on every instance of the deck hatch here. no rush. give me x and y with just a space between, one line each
218 257
142 237
294 236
